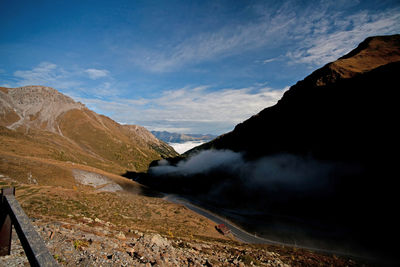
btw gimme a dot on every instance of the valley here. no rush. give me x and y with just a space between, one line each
304 199
199 133
66 167
316 184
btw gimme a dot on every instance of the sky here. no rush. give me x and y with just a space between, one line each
181 66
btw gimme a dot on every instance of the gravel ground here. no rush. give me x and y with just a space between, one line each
17 256
99 243
98 181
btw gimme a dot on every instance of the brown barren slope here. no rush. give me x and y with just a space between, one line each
40 122
372 53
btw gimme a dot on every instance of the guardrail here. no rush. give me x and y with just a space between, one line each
11 213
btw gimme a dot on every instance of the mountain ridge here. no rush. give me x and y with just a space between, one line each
372 53
40 122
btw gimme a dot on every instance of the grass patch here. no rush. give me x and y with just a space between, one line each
80 244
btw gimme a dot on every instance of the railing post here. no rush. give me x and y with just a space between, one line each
34 246
5 223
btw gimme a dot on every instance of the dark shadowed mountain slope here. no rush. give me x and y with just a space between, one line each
319 167
345 110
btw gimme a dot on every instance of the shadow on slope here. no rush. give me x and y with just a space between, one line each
317 166
144 189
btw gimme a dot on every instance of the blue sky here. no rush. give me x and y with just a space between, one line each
183 66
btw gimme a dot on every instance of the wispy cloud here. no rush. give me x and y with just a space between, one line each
265 61
43 73
47 74
341 34
220 43
315 33
96 73
71 81
269 60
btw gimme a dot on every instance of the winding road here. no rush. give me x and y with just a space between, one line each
241 234
237 232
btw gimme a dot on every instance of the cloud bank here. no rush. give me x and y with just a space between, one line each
192 110
183 147
286 171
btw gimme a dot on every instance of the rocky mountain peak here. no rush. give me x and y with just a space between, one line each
35 106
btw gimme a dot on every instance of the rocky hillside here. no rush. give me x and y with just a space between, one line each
34 107
40 123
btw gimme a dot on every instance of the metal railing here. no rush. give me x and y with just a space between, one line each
11 213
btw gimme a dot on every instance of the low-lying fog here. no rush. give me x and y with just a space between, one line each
183 147
284 196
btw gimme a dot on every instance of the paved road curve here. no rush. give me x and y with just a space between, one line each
241 234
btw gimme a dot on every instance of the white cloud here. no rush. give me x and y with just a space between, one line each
197 110
47 74
96 73
222 105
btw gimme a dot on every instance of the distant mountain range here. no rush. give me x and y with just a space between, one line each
323 160
181 138
39 124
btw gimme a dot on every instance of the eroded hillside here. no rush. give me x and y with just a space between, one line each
39 124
